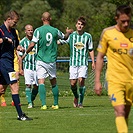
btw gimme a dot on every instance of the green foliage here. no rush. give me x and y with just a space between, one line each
99 14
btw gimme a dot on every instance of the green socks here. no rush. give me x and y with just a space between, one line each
42 93
28 94
81 95
55 94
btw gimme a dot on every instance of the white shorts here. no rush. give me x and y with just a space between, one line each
78 71
30 77
45 69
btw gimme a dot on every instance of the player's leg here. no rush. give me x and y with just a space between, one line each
42 93
2 95
73 76
51 69
127 111
16 68
55 91
81 91
35 88
117 95
82 75
34 92
28 76
28 95
129 100
120 119
41 75
73 83
15 97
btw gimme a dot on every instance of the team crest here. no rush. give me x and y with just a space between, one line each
79 45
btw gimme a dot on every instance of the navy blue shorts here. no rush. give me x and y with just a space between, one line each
6 67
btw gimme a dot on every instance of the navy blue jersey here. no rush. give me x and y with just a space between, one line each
7 49
7 75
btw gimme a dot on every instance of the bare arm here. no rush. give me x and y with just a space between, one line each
21 72
99 66
92 58
30 47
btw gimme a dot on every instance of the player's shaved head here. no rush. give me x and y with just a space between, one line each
28 26
46 16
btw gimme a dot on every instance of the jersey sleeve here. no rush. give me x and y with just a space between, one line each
64 41
36 35
90 43
60 35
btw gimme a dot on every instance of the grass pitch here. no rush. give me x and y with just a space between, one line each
97 116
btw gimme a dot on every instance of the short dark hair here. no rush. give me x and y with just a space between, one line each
82 19
123 9
11 14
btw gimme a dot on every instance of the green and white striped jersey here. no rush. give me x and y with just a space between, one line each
79 48
46 38
30 59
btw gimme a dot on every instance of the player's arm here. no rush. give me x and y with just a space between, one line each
91 52
21 72
5 39
68 32
98 69
30 47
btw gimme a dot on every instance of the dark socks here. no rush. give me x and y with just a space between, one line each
74 90
16 100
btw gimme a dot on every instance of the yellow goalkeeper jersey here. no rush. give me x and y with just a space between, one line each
16 60
118 48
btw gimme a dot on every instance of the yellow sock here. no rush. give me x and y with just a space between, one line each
2 98
121 124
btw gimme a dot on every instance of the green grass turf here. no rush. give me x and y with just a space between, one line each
97 116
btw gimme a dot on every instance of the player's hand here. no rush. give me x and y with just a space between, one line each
98 88
21 72
69 30
58 42
10 40
93 66
2 91
21 49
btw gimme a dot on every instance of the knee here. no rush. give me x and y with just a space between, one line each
120 112
28 86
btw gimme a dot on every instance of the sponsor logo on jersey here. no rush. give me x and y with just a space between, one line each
79 45
123 45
